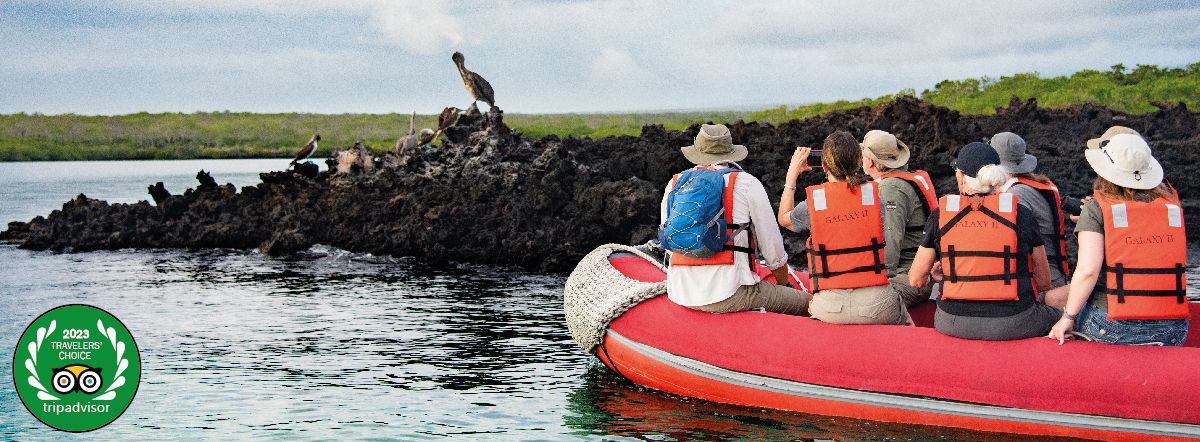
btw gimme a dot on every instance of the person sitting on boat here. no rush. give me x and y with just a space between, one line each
910 198
1040 195
987 246
725 281
846 246
1130 284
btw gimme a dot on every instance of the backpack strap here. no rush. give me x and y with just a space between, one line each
727 201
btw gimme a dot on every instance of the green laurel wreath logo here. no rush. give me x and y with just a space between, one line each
81 368
117 382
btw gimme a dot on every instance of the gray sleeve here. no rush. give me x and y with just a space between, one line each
896 207
1042 212
800 220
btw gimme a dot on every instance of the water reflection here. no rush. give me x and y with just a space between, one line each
331 344
611 406
327 343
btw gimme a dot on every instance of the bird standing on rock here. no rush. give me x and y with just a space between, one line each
307 151
409 140
363 158
412 139
479 88
447 118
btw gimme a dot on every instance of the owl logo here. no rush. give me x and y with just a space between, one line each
77 378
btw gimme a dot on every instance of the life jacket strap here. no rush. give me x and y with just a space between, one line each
1119 271
823 253
920 196
1008 275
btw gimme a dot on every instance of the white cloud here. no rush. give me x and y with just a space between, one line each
420 26
556 56
616 66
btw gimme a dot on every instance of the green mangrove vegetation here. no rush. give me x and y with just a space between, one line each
33 137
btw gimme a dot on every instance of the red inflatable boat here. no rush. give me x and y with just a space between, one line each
905 374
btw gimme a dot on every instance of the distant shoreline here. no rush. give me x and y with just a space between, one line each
236 135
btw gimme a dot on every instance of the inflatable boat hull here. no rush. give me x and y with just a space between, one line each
904 374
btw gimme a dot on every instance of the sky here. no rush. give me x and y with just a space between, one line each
547 56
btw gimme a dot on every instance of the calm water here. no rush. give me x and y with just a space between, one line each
334 344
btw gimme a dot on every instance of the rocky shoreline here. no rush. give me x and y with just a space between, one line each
490 196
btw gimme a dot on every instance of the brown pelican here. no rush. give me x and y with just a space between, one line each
363 158
479 88
409 139
306 152
425 137
448 117
414 139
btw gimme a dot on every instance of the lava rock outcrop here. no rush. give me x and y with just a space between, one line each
490 196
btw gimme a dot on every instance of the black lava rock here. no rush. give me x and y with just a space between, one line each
490 196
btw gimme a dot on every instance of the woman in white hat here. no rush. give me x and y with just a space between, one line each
1129 285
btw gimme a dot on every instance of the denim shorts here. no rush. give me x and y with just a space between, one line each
1094 324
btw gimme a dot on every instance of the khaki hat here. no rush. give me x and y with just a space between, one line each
714 144
885 148
1011 148
1125 160
1094 143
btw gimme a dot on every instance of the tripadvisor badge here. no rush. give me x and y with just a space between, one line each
76 368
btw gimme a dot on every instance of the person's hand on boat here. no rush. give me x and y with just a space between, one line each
935 272
799 163
781 276
1062 330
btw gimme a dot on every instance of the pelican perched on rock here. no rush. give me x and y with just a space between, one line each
425 137
307 151
447 118
363 158
413 139
479 88
409 139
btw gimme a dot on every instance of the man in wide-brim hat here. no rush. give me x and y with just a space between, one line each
719 284
907 198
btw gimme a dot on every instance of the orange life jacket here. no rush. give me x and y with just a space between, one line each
1145 257
1049 192
724 257
845 248
920 182
979 247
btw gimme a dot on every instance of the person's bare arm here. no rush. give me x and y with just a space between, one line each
1083 281
787 201
918 274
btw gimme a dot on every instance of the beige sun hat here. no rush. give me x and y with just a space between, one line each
883 147
1094 143
714 144
1125 160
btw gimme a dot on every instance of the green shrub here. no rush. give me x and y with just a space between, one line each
38 137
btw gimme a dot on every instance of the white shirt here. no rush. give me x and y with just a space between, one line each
694 286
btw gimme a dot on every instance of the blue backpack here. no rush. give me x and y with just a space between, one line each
696 226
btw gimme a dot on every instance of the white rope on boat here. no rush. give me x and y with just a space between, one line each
597 293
